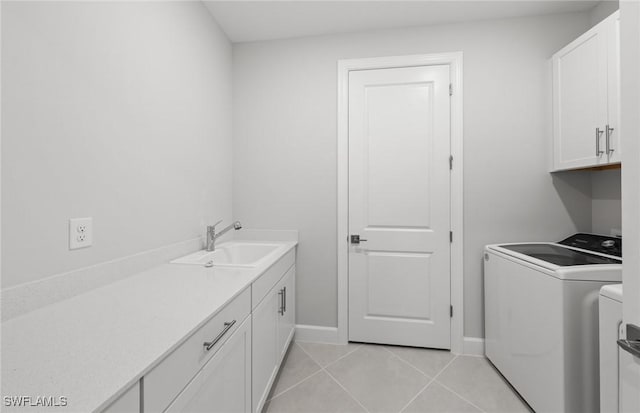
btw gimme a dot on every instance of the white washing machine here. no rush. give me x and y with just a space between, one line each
610 331
541 317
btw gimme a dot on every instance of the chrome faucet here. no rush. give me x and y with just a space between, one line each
212 235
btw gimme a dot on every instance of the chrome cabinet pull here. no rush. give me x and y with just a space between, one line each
208 345
598 134
284 305
608 131
281 294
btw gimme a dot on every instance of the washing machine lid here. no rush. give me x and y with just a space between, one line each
612 291
559 255
610 272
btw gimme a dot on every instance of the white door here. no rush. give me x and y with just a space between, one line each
580 101
399 147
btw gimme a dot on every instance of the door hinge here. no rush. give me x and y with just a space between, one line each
451 162
450 236
450 89
451 311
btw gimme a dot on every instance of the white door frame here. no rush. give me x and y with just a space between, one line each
454 60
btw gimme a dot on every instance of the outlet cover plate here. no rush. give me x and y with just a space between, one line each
80 233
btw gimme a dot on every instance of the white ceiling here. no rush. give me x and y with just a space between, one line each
246 21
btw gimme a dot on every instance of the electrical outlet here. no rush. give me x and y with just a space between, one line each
80 233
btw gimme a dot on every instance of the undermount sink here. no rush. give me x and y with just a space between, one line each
233 254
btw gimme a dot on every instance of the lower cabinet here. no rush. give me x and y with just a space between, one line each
264 349
230 363
165 382
224 383
287 319
273 328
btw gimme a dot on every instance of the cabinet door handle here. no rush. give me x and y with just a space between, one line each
208 345
281 294
284 305
598 134
608 135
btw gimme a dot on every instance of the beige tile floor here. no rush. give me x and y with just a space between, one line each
374 378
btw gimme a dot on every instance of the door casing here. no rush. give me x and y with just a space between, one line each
454 61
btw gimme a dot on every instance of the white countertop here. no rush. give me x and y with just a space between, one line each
92 347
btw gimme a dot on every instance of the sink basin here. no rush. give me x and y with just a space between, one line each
234 254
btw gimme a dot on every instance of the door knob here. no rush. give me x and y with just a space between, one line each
355 239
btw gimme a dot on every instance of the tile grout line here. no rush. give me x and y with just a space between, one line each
334 361
460 396
455 356
435 378
335 379
316 372
430 381
359 346
416 396
445 367
345 390
410 364
304 379
427 385
295 385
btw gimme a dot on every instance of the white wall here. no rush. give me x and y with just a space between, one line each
285 143
606 205
116 110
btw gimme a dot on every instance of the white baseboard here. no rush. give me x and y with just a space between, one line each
316 334
473 346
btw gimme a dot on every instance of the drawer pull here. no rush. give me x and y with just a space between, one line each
208 345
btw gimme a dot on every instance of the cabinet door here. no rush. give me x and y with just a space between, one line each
613 88
580 101
286 321
224 383
264 349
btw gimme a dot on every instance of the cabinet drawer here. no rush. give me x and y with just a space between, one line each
224 383
165 381
265 283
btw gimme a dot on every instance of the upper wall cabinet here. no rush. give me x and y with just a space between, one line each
586 99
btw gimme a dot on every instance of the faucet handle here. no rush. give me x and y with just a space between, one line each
211 229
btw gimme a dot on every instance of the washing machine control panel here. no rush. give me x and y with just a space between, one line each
598 243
